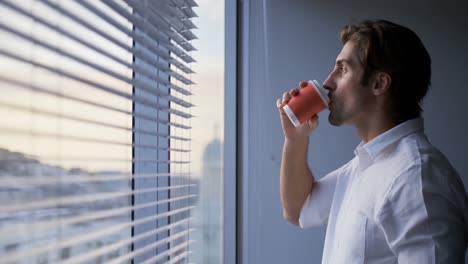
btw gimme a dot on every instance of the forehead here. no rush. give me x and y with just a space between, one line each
348 54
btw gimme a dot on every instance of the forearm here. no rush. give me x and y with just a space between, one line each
296 179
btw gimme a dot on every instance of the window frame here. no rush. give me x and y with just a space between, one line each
230 204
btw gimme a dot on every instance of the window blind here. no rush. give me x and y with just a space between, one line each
95 137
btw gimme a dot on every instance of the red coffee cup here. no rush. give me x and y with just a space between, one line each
311 100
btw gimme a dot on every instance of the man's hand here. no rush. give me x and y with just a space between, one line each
292 133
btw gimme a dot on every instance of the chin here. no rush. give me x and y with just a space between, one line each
334 121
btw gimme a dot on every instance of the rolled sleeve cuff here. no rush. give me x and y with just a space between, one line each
316 208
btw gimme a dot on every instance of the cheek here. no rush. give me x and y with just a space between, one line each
347 94
349 91
349 100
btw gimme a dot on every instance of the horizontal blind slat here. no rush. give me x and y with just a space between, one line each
10 130
176 258
105 88
36 88
138 52
153 246
166 253
18 255
161 19
63 116
189 3
63 222
141 84
149 44
86 24
100 159
69 200
174 18
159 43
149 28
112 247
137 36
38 181
189 13
166 21
63 32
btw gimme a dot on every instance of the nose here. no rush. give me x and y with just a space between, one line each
329 84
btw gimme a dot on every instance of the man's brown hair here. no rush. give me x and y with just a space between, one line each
383 46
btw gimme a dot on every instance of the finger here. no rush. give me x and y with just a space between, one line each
286 98
314 120
294 91
303 84
279 105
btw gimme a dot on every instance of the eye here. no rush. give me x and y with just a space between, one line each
342 68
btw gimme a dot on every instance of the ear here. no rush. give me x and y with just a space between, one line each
382 82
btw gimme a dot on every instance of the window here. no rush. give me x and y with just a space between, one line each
103 156
208 134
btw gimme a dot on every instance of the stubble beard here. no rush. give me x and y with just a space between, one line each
334 117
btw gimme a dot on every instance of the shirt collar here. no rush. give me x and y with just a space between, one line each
379 143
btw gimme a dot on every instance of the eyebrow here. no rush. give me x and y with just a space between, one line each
341 61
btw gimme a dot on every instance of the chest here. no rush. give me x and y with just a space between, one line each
357 235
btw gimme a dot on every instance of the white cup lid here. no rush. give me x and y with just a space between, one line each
322 91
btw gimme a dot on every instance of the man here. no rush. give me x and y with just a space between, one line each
398 200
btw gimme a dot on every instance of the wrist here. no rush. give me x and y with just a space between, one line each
297 140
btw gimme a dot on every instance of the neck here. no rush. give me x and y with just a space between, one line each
374 125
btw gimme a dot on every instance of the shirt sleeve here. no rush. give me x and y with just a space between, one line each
317 206
420 220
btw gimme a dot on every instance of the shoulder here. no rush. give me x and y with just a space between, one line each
425 178
426 164
416 157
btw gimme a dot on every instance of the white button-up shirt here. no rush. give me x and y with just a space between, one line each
398 201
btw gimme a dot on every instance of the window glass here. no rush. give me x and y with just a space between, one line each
207 132
62 141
